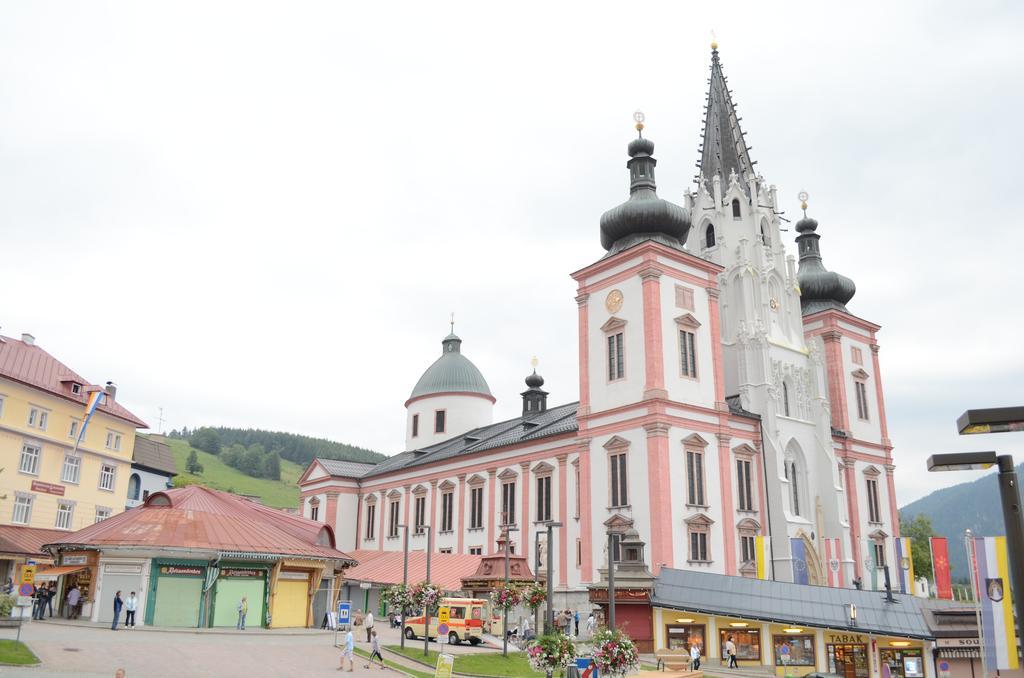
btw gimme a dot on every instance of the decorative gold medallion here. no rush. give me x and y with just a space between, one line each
613 302
774 304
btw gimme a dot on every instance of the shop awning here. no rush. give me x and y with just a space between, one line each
54 572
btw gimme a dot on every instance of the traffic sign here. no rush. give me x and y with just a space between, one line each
25 589
445 664
444 615
442 630
344 612
28 574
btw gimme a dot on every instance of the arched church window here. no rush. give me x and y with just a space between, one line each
134 484
709 236
764 232
785 398
795 486
736 208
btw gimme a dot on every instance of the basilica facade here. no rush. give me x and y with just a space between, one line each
726 393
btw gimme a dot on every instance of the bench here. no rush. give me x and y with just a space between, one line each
675 660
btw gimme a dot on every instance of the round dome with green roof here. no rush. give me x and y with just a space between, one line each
451 373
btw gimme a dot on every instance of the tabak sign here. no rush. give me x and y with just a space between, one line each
240 572
182 570
47 488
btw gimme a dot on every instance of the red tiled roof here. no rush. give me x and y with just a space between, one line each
201 518
33 366
447 570
27 541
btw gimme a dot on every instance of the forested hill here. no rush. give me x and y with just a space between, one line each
952 510
293 447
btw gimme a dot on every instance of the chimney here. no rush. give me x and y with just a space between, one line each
111 390
28 339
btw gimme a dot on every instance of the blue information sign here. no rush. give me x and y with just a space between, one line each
344 612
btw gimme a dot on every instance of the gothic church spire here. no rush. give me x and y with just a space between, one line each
723 149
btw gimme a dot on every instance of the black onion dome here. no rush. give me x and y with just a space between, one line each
820 289
535 380
644 215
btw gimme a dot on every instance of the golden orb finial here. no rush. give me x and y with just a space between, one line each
802 197
638 115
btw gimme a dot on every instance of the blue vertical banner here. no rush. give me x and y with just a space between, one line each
798 548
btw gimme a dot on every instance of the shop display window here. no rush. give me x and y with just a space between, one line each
793 650
903 663
680 636
848 660
747 641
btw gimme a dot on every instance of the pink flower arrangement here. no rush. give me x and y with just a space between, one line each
425 596
550 653
507 596
534 596
614 653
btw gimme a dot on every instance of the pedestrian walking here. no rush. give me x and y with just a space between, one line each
118 604
74 597
348 652
130 606
51 593
368 622
38 602
730 652
694 657
576 620
375 651
243 609
591 624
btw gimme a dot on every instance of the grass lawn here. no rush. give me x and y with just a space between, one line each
387 662
218 475
480 664
13 652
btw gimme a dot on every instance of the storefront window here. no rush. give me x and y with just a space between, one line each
848 660
792 650
902 663
748 642
680 636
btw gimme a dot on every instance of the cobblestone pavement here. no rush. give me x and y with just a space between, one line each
91 651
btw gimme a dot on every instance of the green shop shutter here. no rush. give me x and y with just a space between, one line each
229 593
177 601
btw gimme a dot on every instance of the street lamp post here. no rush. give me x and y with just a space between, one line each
1009 493
405 578
549 615
611 581
536 572
426 608
504 622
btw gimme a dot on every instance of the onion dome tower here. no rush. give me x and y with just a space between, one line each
451 398
820 289
644 216
535 399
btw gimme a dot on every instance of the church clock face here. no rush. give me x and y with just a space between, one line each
613 302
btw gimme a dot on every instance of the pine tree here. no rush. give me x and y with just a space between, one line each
192 465
272 466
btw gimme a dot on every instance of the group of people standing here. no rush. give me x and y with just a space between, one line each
130 606
43 600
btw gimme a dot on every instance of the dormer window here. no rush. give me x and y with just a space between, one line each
76 388
709 236
736 208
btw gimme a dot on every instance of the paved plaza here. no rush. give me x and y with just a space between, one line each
92 651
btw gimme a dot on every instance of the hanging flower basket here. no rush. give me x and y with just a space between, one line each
550 653
426 596
506 596
534 596
398 597
614 654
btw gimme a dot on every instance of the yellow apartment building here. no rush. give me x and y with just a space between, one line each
44 483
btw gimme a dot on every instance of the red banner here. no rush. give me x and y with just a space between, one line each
940 566
47 488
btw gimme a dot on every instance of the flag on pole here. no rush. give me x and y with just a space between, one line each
940 567
796 545
94 401
834 561
992 582
904 564
761 556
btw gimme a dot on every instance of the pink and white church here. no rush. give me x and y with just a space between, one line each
726 392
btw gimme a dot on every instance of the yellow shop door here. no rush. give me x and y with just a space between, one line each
291 603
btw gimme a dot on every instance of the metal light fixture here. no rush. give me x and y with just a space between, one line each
993 420
792 630
962 461
738 625
899 643
684 621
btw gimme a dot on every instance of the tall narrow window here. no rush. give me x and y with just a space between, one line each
616 364
420 513
879 548
314 512
476 508
695 478
544 498
736 208
29 459
22 509
371 521
447 499
747 549
709 236
687 356
439 421
620 496
743 483
785 398
65 511
393 519
794 485
508 503
874 512
415 425
73 431
765 238
72 469
698 545
107 477
577 492
862 400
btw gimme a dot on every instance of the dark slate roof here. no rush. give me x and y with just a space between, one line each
723 150
736 407
552 422
346 469
153 455
783 602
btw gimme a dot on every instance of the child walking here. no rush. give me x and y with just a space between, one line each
375 651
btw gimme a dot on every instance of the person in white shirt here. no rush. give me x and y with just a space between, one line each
694 656
130 606
368 622
591 624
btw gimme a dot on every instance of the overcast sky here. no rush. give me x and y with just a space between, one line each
261 214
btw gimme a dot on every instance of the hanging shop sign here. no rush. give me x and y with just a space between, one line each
241 572
181 570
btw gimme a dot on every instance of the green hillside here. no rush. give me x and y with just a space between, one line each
282 493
